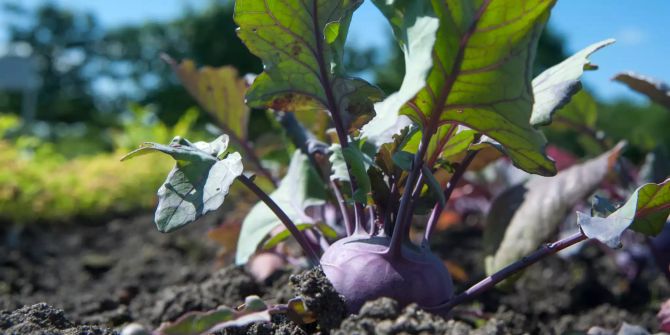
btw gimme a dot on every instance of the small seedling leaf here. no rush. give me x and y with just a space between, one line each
197 323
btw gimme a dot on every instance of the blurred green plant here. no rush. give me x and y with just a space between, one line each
38 183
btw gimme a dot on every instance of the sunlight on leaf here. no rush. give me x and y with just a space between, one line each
646 212
301 44
219 91
554 87
657 91
197 184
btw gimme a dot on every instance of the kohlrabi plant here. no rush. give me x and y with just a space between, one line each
389 161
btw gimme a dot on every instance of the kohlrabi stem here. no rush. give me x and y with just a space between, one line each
281 215
514 268
448 191
332 103
348 224
403 218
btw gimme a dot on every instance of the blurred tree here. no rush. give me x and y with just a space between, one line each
208 37
60 42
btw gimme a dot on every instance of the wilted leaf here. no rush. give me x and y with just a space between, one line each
646 212
554 87
197 184
301 44
196 323
220 91
657 91
542 208
301 188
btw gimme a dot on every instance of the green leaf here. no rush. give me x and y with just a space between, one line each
301 43
554 87
283 235
326 230
646 212
459 143
219 91
403 160
434 186
657 91
415 27
196 323
359 163
480 76
541 209
197 184
300 189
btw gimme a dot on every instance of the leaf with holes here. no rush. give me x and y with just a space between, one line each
646 212
555 87
300 189
197 184
219 91
301 44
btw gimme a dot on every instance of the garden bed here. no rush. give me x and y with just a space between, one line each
94 278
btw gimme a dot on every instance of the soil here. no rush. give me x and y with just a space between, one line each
94 278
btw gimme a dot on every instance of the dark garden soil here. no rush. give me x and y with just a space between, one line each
95 278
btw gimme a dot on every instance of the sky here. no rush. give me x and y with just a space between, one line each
640 28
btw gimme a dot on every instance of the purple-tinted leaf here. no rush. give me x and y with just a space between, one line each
657 91
542 206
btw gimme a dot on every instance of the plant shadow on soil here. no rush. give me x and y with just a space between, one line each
94 278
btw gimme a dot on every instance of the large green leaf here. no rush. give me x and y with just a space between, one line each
646 212
301 44
656 90
510 234
220 91
555 87
300 189
197 184
476 73
415 27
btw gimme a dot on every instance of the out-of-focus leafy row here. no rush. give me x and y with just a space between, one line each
39 183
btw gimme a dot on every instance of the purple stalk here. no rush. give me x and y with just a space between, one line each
348 224
437 210
514 268
281 215
333 105
403 217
